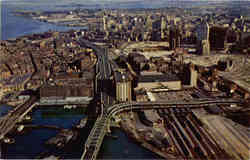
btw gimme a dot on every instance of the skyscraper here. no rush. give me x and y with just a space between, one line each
149 23
163 27
174 38
203 44
104 22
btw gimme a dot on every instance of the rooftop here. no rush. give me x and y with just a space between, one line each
119 77
66 91
157 78
237 73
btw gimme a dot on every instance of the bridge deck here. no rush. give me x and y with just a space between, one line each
95 138
99 130
103 71
7 122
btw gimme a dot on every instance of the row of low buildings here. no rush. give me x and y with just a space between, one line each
67 88
50 95
126 87
15 83
43 55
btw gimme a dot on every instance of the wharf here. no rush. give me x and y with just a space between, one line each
188 133
132 130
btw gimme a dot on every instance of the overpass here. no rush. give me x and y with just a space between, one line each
111 111
103 66
8 122
94 141
101 126
103 73
95 138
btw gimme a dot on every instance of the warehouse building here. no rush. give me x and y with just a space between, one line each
65 94
123 83
153 80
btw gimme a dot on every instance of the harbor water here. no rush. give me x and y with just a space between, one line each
31 144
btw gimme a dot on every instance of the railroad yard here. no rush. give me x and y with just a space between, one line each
184 132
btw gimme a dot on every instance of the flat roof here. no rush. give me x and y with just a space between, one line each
144 73
157 78
119 77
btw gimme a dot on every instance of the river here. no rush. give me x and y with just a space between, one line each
31 144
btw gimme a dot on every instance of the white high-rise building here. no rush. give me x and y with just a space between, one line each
203 46
163 27
104 23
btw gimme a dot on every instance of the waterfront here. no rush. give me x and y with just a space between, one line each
31 144
179 116
22 148
9 22
4 109
123 147
36 138
113 148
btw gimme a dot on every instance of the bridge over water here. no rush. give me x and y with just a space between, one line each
101 126
8 122
103 73
94 141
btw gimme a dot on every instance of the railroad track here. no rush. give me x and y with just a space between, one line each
188 136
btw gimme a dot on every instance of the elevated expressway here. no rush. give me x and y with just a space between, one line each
199 103
103 73
104 69
101 126
8 122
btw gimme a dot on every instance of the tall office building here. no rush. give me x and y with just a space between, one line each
149 23
174 38
163 27
203 44
104 22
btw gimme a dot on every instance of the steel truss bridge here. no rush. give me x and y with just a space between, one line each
104 68
101 127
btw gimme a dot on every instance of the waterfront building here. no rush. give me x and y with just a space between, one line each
123 83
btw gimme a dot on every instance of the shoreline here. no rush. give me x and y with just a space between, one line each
132 132
66 22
